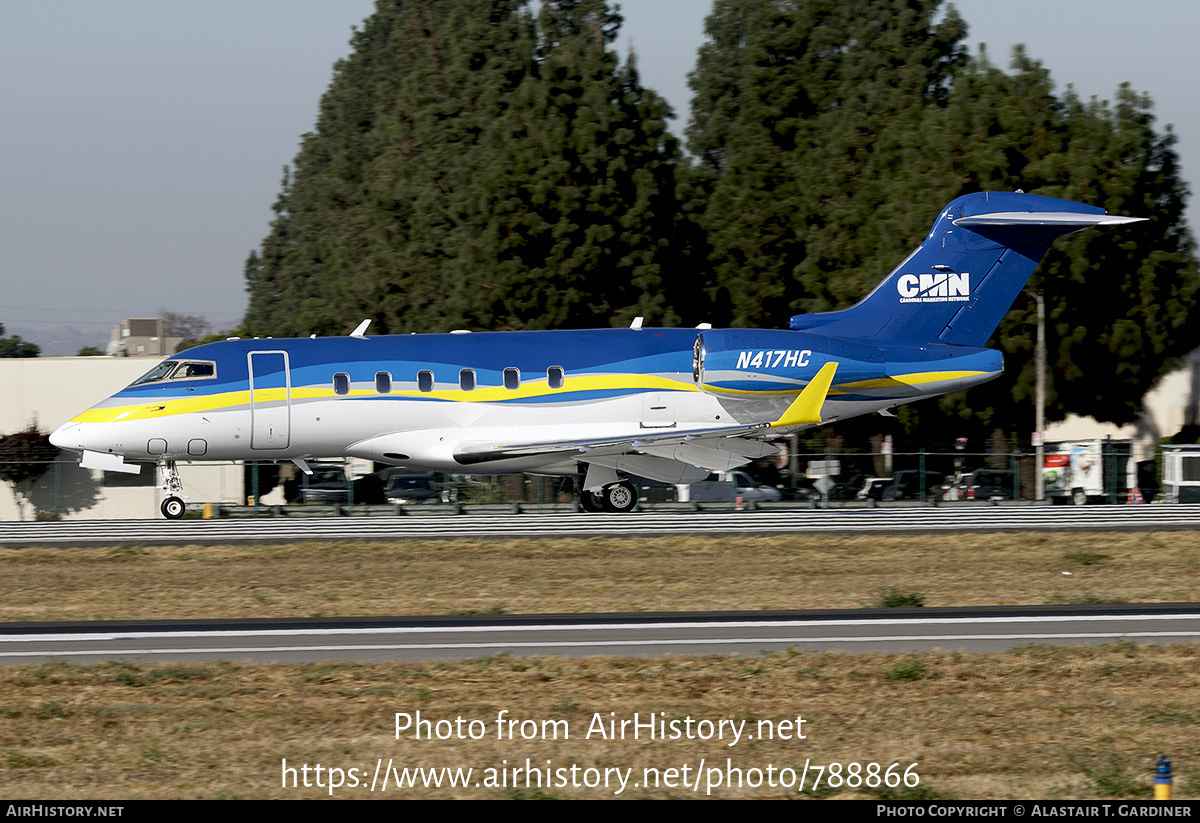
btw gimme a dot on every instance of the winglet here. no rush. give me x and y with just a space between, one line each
806 408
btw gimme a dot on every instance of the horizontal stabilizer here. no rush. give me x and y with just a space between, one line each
806 408
1045 218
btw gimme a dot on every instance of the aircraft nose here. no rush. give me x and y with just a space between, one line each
62 437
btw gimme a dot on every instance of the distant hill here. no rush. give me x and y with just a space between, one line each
64 341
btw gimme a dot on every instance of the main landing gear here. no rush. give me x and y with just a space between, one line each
172 506
615 497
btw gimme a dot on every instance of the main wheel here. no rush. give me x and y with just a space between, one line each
590 502
619 497
172 508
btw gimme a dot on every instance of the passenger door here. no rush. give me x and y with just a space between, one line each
270 400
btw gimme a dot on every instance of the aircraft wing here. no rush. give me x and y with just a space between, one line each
472 453
713 448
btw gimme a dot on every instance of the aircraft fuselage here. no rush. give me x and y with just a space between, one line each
416 400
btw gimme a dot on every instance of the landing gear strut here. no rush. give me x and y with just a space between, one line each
172 506
590 501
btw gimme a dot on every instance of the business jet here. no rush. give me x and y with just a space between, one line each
668 404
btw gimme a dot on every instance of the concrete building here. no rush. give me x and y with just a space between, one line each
141 337
1173 403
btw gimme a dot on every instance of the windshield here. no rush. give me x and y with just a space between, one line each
178 370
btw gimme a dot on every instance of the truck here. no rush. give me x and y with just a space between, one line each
1084 471
726 487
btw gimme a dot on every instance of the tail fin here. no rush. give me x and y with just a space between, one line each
958 284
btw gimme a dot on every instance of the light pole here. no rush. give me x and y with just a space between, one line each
1039 437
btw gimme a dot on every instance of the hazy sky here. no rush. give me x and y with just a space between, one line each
144 141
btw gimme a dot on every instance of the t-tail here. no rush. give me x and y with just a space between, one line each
958 284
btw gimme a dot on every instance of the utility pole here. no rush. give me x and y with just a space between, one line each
1039 436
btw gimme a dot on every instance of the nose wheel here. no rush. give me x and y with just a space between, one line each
172 506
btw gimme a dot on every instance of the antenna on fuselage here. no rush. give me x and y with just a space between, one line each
362 327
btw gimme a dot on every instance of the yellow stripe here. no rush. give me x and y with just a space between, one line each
914 379
750 393
539 388
165 407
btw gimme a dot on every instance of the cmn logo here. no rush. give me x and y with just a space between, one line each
934 288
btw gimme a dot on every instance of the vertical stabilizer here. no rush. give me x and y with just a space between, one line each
958 285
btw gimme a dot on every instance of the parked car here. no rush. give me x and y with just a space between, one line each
987 484
872 488
804 490
410 489
906 485
326 484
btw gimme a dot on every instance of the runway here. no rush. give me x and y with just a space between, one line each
627 635
912 520
746 633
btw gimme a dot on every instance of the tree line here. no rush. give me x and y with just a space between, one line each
477 165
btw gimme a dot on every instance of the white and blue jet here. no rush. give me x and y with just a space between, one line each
667 404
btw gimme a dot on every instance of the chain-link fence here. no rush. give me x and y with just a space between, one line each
1088 472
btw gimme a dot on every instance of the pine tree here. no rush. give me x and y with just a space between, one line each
802 114
829 134
1118 301
473 167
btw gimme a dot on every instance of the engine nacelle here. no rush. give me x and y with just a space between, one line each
773 361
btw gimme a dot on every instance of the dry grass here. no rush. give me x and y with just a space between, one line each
1045 723
594 575
1052 723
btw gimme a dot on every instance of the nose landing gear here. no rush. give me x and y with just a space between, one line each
172 506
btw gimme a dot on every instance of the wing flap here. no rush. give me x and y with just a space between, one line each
474 453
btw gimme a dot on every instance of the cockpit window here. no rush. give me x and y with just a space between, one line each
191 371
178 370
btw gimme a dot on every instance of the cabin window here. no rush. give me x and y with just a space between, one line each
466 380
341 383
554 377
512 379
425 380
383 382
